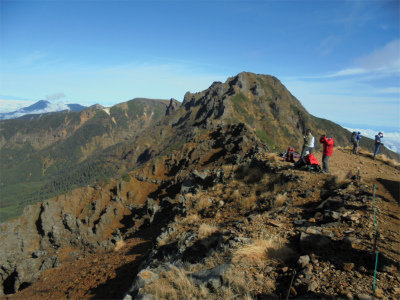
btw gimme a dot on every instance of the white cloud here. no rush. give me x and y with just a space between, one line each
364 91
7 105
390 90
55 96
385 58
383 61
346 72
51 107
346 101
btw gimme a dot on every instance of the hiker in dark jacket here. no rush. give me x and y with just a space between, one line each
327 152
355 139
378 143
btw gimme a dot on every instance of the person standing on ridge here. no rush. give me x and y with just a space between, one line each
378 143
327 151
355 139
309 141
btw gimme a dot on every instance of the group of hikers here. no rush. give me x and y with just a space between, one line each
307 158
356 137
309 143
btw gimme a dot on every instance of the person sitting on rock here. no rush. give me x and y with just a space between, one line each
327 151
378 143
308 143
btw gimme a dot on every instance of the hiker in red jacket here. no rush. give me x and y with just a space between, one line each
327 152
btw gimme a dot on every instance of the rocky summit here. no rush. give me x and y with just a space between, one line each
202 206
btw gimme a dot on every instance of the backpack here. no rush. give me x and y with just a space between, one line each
310 163
354 137
290 154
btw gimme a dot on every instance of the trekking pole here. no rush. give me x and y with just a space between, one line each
375 249
290 286
376 264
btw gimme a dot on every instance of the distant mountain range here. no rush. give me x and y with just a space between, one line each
41 107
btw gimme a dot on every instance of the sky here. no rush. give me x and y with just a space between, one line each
341 59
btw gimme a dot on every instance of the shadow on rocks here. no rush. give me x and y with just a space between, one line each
393 187
116 287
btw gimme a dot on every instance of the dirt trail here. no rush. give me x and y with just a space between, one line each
110 274
387 181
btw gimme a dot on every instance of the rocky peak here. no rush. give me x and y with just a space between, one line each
172 106
97 106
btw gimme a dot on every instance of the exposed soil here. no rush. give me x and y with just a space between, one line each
104 275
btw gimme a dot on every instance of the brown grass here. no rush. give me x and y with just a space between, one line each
389 161
235 196
252 254
205 230
381 157
120 244
191 219
175 284
260 251
237 286
203 203
280 199
272 157
248 203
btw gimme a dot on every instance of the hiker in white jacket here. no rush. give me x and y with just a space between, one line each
309 142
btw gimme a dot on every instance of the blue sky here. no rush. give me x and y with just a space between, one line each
341 59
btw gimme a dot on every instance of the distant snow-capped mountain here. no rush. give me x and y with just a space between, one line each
41 107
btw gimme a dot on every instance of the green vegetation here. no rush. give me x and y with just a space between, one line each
179 143
119 115
126 177
16 196
240 101
262 82
263 136
49 121
29 175
136 109
273 90
288 134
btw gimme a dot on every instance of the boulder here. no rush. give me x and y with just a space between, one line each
212 277
27 271
144 277
303 260
314 241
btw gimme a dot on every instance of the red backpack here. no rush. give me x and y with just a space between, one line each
290 154
311 160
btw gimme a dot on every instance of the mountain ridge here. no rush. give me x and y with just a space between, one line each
98 141
161 169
